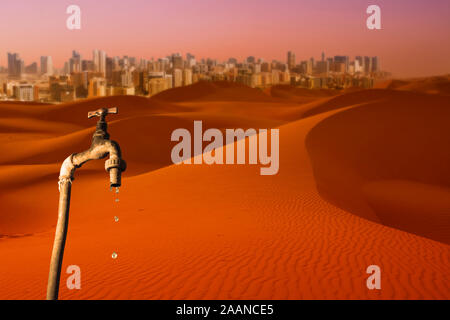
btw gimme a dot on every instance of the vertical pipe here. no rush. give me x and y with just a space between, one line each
60 239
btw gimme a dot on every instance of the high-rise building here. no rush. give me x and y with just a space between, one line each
99 58
291 60
375 64
177 61
126 78
24 92
66 68
367 65
46 65
360 60
177 78
15 66
266 67
322 67
102 62
109 68
97 87
143 64
187 77
342 61
190 60
75 62
87 65
310 67
96 60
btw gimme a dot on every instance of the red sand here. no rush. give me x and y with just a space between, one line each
224 231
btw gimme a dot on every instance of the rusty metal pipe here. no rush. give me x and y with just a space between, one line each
101 147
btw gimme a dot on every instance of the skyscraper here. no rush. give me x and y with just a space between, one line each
46 65
310 67
87 65
342 61
96 59
177 78
15 65
109 68
102 62
367 65
99 58
291 60
177 61
187 77
75 62
190 60
375 64
322 67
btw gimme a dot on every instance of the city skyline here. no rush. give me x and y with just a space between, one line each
103 75
94 56
412 42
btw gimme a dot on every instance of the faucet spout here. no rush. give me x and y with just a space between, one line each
115 165
100 148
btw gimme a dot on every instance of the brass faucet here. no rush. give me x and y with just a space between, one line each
100 148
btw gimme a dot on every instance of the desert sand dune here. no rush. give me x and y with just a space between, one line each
431 85
225 232
129 106
213 91
20 109
396 138
300 95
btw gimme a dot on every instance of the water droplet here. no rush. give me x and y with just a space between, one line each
116 219
117 190
117 200
114 255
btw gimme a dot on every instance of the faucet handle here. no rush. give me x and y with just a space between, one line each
102 112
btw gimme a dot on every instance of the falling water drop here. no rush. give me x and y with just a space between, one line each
116 219
117 194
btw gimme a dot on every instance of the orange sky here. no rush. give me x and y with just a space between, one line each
413 40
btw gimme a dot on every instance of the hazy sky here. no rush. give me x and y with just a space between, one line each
414 39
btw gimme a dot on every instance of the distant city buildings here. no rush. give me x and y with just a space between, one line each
99 61
75 62
291 60
24 92
46 65
15 66
106 76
